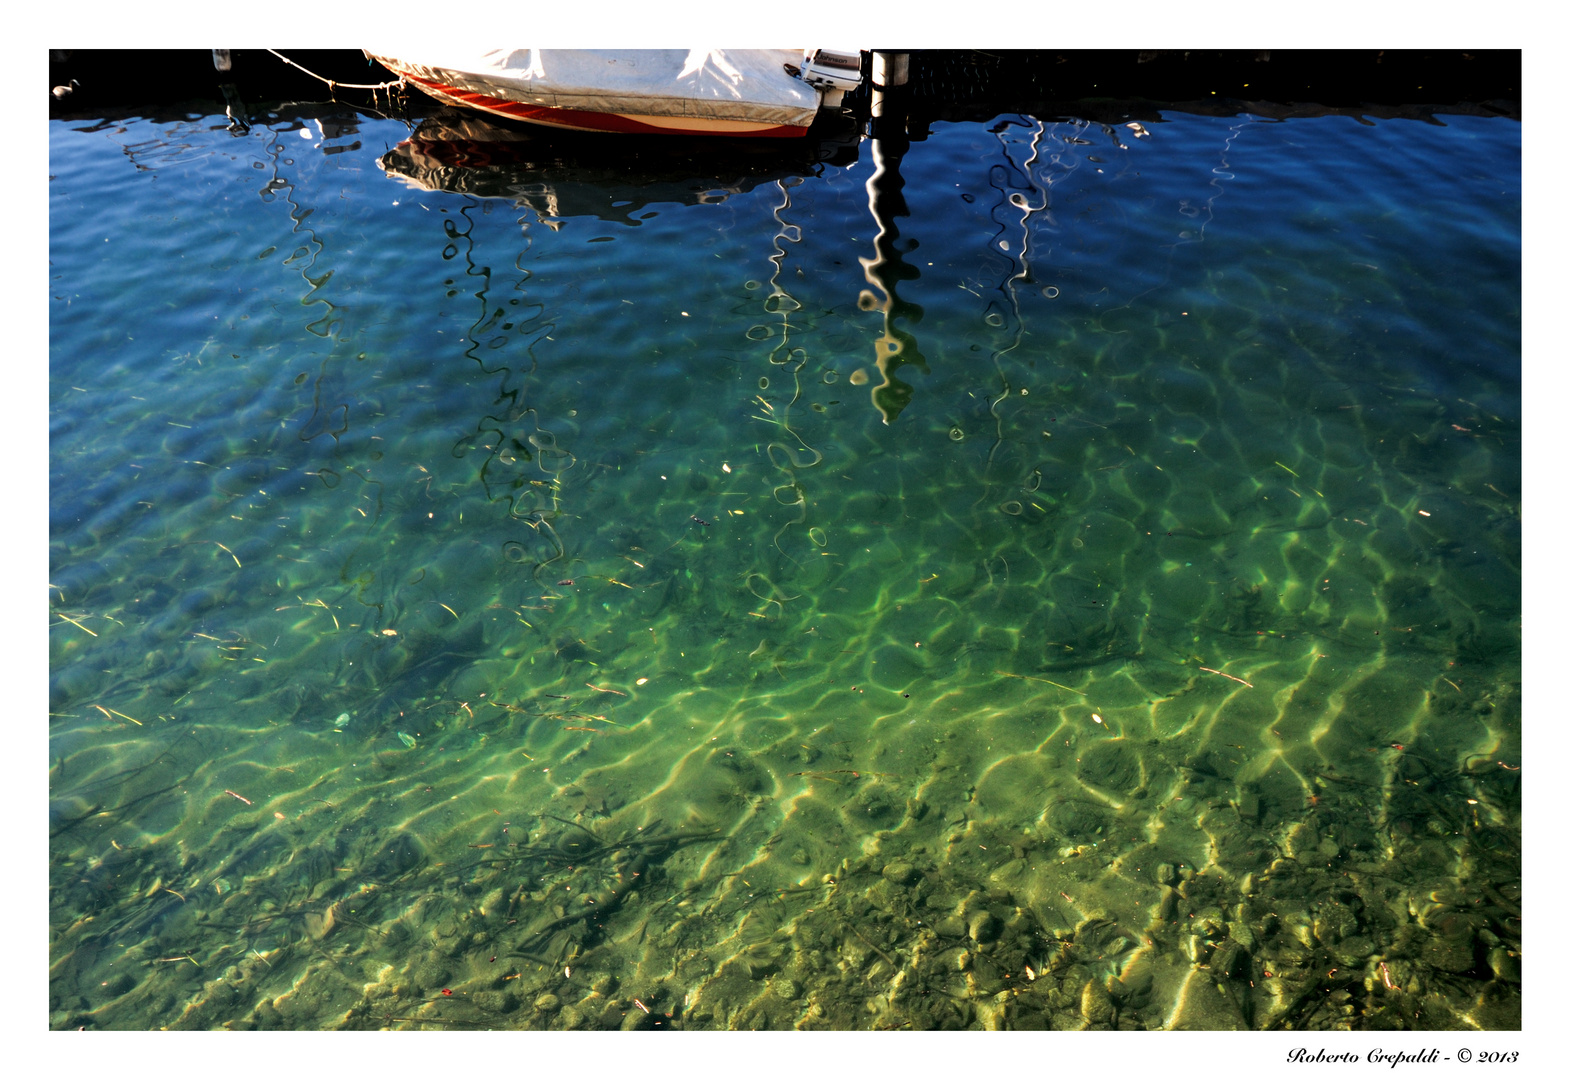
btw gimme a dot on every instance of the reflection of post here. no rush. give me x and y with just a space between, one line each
886 201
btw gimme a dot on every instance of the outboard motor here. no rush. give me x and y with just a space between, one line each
833 71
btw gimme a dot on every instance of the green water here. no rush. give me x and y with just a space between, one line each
1065 577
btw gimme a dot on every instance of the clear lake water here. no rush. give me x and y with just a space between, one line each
1050 575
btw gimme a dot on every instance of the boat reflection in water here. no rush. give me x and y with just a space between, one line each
559 175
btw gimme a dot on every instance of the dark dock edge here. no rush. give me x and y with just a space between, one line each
945 85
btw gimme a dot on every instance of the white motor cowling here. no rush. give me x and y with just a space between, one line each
833 71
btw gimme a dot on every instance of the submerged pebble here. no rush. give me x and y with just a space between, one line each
1095 1004
984 926
1505 965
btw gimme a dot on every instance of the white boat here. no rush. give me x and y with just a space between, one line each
771 93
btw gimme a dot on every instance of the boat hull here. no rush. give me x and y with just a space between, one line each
655 92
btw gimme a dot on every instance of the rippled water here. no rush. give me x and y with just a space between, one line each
1053 576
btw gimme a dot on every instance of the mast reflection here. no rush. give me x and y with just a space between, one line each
896 347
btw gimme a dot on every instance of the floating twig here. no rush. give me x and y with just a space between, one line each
74 623
122 715
857 773
1225 675
1050 682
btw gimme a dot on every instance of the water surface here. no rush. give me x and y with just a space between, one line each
1048 575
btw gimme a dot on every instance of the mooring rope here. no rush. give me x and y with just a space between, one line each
398 82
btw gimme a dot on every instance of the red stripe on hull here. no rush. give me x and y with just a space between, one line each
580 120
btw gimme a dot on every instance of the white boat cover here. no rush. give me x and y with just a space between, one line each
715 84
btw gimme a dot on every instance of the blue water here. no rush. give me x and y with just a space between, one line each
1046 577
